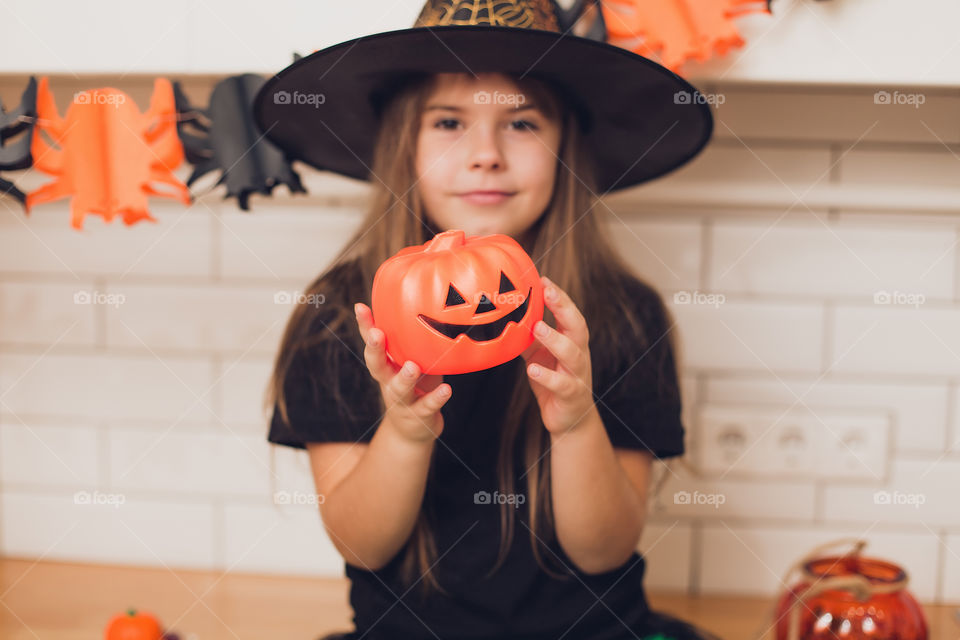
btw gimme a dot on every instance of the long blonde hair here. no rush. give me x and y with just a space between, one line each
568 244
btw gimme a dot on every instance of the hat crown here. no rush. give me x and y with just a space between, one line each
524 14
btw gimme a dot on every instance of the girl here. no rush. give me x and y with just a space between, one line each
508 502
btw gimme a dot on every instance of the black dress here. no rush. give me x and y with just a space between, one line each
640 407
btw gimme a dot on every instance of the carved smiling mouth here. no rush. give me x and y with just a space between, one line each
480 332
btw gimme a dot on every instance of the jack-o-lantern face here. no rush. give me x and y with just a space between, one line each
458 304
481 331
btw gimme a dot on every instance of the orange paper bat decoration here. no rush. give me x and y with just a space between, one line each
108 154
674 31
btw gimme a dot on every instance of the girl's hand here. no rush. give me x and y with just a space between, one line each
413 401
558 364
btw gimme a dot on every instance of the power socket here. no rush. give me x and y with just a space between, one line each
776 441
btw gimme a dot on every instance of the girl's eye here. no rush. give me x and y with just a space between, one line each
452 123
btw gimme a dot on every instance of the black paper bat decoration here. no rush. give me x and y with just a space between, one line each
18 121
228 139
589 10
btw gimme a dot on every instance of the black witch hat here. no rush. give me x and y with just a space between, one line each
640 119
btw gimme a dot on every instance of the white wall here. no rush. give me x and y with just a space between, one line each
873 42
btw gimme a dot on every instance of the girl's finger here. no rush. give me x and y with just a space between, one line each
375 356
380 365
569 319
362 321
432 402
561 384
401 385
561 346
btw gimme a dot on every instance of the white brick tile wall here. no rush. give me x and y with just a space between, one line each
109 385
283 243
754 560
800 114
921 491
272 538
177 245
50 455
896 339
951 576
689 394
687 496
667 549
953 435
758 336
241 383
792 170
937 167
228 319
58 526
290 471
45 313
667 254
815 259
191 464
905 220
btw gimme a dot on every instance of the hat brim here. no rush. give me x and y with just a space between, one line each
644 119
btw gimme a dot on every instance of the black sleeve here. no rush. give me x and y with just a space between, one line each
315 374
639 400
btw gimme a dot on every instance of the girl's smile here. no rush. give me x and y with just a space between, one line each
486 197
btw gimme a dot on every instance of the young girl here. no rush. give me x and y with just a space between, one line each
508 502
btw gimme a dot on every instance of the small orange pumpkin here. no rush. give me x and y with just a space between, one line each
133 626
458 304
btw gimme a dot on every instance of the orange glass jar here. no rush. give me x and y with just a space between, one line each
850 597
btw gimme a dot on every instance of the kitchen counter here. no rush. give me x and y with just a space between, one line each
61 601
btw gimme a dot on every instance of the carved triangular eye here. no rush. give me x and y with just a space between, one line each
505 284
453 298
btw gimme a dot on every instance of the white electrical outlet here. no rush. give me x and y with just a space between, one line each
778 441
727 441
855 446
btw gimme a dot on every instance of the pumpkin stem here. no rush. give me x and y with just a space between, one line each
131 612
446 240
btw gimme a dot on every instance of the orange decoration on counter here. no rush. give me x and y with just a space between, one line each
107 153
851 597
133 626
674 31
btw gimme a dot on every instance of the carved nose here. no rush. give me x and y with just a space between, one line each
485 304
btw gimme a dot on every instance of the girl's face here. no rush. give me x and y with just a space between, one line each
484 135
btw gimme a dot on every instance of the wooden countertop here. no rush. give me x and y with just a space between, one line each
61 601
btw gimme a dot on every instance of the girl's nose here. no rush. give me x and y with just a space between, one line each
485 150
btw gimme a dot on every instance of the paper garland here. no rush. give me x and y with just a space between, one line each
227 139
108 157
675 31
17 122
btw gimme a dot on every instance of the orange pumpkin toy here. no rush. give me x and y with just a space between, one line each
458 304
133 626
